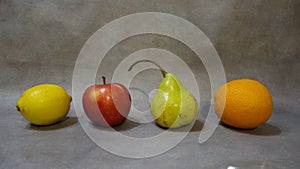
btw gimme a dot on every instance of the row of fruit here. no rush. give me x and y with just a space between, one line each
242 103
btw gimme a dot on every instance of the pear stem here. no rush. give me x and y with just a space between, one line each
163 72
103 80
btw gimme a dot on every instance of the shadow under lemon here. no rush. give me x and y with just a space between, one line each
66 122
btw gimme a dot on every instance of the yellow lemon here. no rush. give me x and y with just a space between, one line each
44 104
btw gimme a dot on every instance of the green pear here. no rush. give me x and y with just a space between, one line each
173 105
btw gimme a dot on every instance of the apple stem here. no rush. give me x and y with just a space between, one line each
163 72
103 80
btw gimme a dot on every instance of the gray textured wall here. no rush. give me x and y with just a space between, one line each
40 40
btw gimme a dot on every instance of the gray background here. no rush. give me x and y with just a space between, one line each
41 40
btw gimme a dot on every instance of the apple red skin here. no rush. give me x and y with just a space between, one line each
107 104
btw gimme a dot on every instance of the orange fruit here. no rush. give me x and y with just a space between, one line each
243 103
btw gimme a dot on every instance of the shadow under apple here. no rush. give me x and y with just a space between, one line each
126 125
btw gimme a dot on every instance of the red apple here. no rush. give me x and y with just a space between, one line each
106 104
